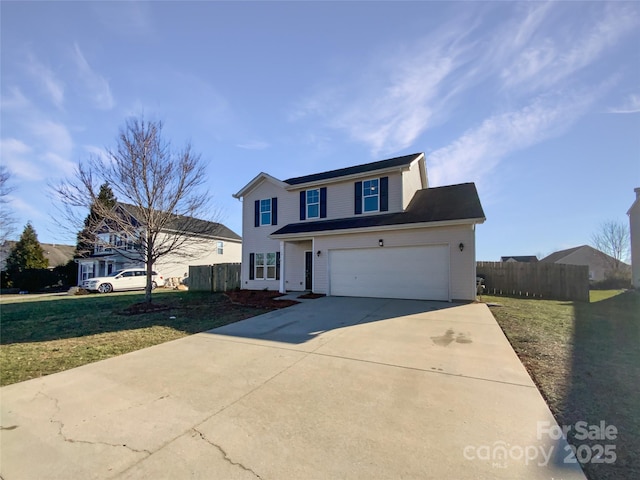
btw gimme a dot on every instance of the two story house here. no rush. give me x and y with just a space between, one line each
371 230
114 250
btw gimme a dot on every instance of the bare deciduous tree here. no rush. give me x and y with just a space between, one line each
160 197
7 222
612 238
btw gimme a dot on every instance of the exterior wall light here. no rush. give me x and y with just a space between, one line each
461 246
319 252
381 243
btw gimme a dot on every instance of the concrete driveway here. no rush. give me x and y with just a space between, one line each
334 388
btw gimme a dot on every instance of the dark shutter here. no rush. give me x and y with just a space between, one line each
358 198
323 202
303 205
384 194
256 214
277 265
252 264
274 211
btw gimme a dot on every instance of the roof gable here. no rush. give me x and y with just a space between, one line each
257 180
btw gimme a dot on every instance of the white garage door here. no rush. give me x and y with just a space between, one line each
391 272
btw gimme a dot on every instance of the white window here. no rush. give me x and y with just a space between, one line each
265 212
259 266
86 271
220 247
370 195
265 264
271 266
313 203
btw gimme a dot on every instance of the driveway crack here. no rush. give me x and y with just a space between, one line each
224 453
64 437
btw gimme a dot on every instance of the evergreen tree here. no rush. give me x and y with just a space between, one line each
86 237
27 253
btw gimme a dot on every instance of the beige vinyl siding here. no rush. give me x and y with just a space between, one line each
411 183
176 264
462 264
256 239
340 198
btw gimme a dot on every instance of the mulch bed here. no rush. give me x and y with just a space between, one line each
258 298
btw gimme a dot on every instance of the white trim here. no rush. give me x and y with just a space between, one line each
381 228
282 287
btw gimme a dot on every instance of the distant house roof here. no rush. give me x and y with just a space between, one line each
192 225
367 167
560 254
438 204
557 257
520 258
57 254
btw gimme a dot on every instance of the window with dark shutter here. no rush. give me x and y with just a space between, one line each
323 202
274 211
384 194
358 198
252 264
303 205
256 221
277 265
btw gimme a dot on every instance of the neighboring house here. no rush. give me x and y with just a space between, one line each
520 258
599 263
634 230
58 255
372 230
115 250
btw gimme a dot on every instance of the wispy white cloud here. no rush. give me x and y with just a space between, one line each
255 145
17 157
549 57
631 104
14 100
393 99
513 66
94 84
47 79
477 152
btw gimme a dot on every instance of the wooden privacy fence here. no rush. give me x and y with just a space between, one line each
537 280
214 278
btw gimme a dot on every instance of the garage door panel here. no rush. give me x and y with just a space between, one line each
420 272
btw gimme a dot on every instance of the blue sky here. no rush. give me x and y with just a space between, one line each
537 103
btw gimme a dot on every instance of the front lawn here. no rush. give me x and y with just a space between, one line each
41 335
585 359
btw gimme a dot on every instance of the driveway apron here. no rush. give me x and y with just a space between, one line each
330 388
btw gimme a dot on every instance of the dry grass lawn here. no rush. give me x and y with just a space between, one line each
585 359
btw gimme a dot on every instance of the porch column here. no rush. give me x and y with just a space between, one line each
282 281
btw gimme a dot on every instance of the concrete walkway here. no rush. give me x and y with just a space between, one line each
332 388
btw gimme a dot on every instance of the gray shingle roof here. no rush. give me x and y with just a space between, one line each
191 225
453 202
367 167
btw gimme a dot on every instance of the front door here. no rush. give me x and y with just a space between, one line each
308 270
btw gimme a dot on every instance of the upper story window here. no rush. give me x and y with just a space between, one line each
313 203
371 195
219 247
266 212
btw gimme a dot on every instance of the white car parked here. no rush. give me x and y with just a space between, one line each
128 279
